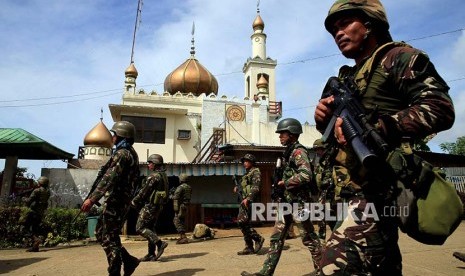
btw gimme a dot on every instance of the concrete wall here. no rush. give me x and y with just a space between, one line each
69 187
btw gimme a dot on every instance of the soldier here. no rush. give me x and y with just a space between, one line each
37 203
116 186
250 188
403 96
181 200
319 147
153 194
296 181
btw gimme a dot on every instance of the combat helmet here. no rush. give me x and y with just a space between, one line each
156 159
249 157
43 181
372 9
124 129
318 144
289 124
183 178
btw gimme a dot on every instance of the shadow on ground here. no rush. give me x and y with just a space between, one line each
179 256
181 272
11 265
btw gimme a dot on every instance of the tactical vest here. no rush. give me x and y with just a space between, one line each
246 182
160 191
348 173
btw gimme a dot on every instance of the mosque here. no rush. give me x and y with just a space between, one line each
199 132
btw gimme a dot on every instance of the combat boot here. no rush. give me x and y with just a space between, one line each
248 248
460 256
35 245
161 245
246 251
182 239
130 263
245 273
150 257
259 244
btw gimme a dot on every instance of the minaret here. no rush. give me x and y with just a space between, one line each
131 72
259 65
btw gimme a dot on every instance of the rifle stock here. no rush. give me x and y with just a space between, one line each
277 192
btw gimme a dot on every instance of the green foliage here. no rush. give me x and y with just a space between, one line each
56 226
457 148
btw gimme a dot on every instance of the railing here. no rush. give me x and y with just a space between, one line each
211 147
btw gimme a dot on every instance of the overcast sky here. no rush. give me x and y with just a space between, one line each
63 60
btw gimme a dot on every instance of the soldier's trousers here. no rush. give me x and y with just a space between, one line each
146 223
309 239
243 221
107 234
362 245
180 218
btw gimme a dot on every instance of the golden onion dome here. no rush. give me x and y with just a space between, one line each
99 136
191 76
258 23
262 82
131 71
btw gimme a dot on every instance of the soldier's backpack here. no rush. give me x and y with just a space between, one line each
429 208
203 231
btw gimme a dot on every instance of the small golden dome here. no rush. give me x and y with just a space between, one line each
191 76
262 82
131 71
99 136
258 23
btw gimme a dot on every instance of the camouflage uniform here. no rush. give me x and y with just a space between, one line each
38 203
403 96
154 195
116 186
250 182
297 176
181 199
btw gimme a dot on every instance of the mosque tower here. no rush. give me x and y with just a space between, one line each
259 69
98 142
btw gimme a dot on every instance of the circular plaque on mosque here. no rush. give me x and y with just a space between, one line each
235 113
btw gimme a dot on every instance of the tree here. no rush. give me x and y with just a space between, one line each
457 148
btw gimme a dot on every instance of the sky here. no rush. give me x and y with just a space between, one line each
63 61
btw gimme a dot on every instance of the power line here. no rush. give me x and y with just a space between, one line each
217 75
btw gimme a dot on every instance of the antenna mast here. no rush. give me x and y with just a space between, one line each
136 26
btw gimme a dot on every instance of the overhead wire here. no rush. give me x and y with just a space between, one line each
217 75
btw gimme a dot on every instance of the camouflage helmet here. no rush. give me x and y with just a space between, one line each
373 9
183 178
156 159
124 129
289 124
43 181
318 144
249 157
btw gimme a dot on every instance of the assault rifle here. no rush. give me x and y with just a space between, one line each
239 189
99 177
367 144
277 192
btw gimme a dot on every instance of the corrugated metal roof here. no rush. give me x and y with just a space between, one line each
24 145
17 135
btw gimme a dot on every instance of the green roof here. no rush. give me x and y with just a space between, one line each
24 145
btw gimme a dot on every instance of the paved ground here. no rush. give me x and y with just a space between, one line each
217 257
